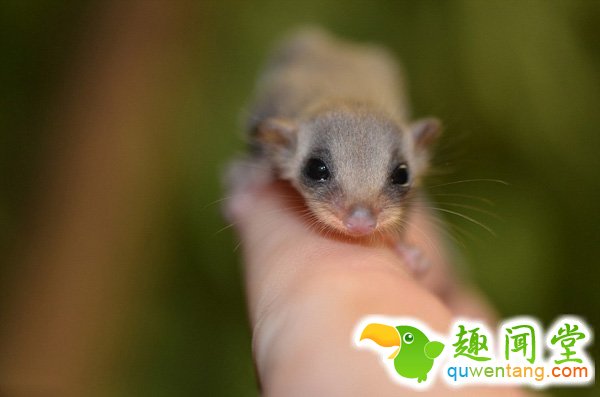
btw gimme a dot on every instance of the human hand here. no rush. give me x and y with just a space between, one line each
306 292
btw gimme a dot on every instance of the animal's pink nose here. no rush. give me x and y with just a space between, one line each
360 221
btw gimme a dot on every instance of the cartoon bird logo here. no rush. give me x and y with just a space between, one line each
414 356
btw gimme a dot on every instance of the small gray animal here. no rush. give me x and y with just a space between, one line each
330 117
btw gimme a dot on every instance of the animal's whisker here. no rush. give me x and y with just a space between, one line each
443 227
464 217
298 208
242 194
428 239
499 181
468 196
472 208
452 228
229 225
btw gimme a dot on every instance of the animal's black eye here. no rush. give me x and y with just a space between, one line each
317 170
400 175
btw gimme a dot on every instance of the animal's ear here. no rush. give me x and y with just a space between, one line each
425 131
277 133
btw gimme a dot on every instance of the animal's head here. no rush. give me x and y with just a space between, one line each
355 167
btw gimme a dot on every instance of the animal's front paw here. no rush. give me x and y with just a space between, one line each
241 177
413 257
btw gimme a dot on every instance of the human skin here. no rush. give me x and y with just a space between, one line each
307 290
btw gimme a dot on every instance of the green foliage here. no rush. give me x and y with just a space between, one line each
515 82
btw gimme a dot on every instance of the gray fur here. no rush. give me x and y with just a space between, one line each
311 67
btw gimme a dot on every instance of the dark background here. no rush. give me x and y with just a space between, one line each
516 83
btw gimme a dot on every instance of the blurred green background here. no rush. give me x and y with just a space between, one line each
516 83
